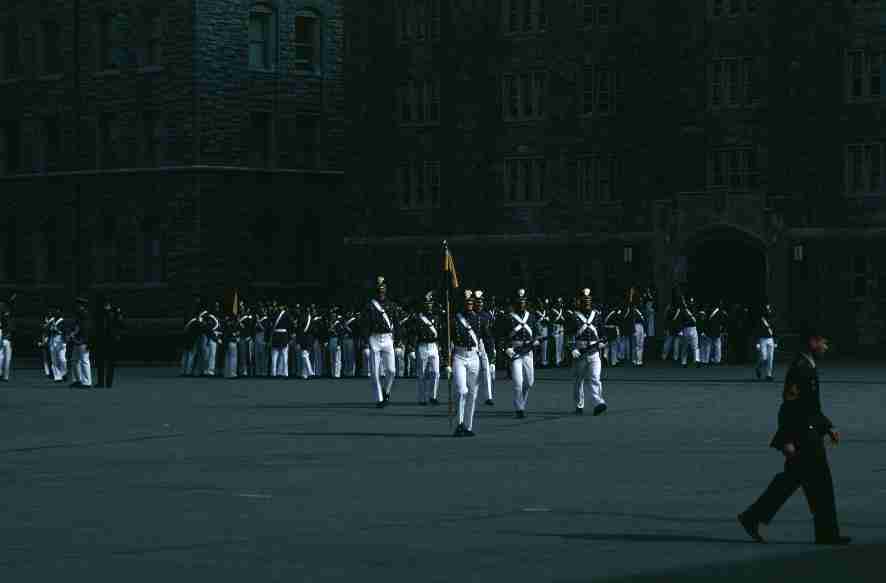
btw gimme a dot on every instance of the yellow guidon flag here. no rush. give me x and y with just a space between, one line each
449 265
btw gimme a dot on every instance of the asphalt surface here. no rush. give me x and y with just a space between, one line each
164 478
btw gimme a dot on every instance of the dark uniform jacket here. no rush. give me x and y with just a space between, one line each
764 327
373 320
109 329
517 330
583 330
800 419
487 332
420 332
280 327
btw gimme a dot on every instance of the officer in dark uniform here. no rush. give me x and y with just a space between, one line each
802 427
108 332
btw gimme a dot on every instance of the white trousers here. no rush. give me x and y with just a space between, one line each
82 365
587 374
523 375
58 355
704 349
400 361
716 349
211 351
280 361
689 343
615 350
366 365
487 376
381 364
558 343
637 340
230 360
427 377
47 361
245 356
333 350
543 344
766 356
671 347
261 356
5 358
348 357
305 366
410 364
317 360
466 378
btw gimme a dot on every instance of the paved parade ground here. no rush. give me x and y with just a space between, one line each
170 479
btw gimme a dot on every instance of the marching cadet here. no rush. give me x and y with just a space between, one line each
211 340
649 307
517 333
192 340
57 346
400 356
306 328
704 340
318 336
424 330
81 337
543 329
231 341
717 322
43 344
688 324
262 357
557 323
465 367
280 330
612 322
766 345
586 346
671 346
634 323
379 328
486 331
246 344
802 427
335 330
108 334
7 336
348 353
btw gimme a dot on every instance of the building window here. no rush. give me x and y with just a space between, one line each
259 142
523 96
419 101
154 139
864 169
152 39
10 50
111 53
731 82
864 75
602 91
524 16
734 168
307 138
261 39
731 8
47 155
109 146
418 185
418 20
10 147
524 180
600 13
50 48
154 252
598 178
861 277
308 41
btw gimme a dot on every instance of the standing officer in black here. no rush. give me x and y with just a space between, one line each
800 437
109 328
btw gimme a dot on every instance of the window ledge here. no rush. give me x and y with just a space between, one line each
524 204
412 124
597 115
262 71
418 209
106 73
51 77
535 34
527 121
130 285
152 69
10 81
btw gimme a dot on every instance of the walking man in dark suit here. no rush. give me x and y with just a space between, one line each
802 427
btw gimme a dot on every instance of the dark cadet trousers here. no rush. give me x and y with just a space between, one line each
809 470
105 362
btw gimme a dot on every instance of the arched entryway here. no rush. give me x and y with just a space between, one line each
726 263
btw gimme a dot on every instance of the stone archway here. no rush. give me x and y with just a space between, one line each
724 262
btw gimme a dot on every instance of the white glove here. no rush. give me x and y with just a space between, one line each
758 348
412 354
448 372
536 343
576 354
510 352
775 346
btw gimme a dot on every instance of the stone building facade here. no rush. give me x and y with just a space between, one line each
159 149
732 146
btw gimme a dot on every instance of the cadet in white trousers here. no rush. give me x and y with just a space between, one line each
305 344
424 332
586 362
81 336
558 320
465 369
542 323
486 334
348 348
518 335
281 335
261 345
58 349
766 344
379 325
689 333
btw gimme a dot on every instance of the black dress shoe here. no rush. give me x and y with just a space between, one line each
75 384
837 540
469 433
490 403
459 431
751 527
770 379
380 405
434 402
520 414
423 403
387 397
579 411
99 386
600 409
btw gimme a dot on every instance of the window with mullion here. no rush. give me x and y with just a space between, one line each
307 33
260 40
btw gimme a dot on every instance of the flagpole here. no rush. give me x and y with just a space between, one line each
447 265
